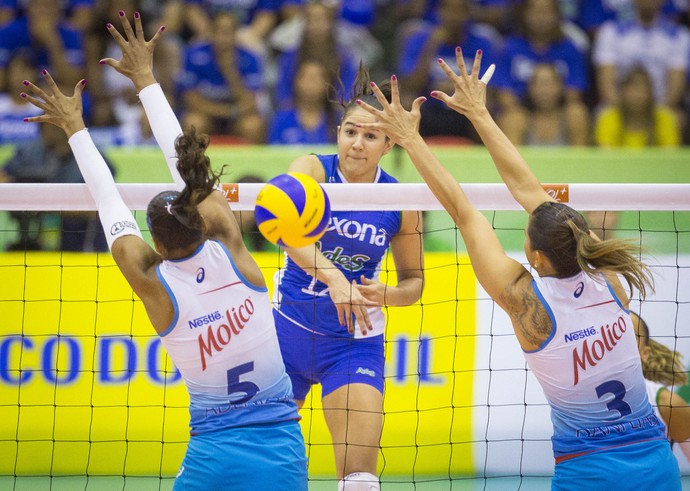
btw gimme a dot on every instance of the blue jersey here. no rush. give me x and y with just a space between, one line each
590 369
356 242
516 65
286 129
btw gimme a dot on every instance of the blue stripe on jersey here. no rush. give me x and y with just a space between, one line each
239 274
547 307
176 309
615 297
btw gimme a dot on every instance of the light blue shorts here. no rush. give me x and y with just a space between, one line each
645 465
262 458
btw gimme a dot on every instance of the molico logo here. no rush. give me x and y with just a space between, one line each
591 354
217 338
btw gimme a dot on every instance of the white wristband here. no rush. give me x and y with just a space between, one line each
117 220
164 124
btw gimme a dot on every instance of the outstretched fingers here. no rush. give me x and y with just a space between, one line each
476 66
126 26
460 61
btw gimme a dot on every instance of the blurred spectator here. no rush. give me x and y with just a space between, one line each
649 40
546 119
540 39
312 117
318 42
50 159
637 120
594 13
222 85
79 13
255 19
55 45
13 108
422 45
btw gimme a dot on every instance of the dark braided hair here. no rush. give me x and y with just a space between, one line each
172 216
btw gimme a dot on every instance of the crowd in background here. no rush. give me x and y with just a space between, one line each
569 72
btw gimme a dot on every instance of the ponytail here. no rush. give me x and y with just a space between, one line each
613 256
663 365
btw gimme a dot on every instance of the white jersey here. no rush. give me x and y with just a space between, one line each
590 369
223 341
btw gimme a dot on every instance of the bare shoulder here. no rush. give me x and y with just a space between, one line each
310 165
530 320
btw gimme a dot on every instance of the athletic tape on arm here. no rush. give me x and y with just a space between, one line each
117 220
164 124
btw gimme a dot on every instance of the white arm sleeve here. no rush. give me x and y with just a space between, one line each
117 220
164 124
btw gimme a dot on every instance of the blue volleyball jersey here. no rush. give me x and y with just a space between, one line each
224 343
356 242
590 369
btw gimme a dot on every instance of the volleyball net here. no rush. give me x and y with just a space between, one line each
86 388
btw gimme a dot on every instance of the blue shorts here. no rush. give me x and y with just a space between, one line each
644 465
312 358
261 457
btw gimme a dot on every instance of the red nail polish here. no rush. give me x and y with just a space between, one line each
122 13
26 120
434 94
479 52
22 94
136 15
44 71
83 82
393 77
358 101
457 49
162 28
439 60
372 84
109 25
26 82
101 62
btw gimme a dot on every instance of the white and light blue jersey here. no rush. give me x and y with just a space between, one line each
224 343
590 369
356 242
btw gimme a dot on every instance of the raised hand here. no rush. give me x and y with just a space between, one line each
137 53
470 91
397 123
63 111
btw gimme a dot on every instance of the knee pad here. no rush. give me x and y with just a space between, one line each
359 481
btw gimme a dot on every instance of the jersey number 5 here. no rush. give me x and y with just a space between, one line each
237 387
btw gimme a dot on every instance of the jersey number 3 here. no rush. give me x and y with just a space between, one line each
237 387
616 388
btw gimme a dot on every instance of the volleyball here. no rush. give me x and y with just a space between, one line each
292 210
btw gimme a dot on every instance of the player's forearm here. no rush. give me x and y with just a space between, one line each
164 124
406 292
314 263
521 181
441 182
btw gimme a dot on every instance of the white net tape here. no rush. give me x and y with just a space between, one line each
611 197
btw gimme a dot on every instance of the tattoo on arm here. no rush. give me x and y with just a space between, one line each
526 311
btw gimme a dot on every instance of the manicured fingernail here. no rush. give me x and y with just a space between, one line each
101 62
44 71
434 94
83 82
136 15
393 77
26 82
22 94
26 120
372 84
122 13
457 49
423 99
440 60
109 25
358 101
162 28
479 52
